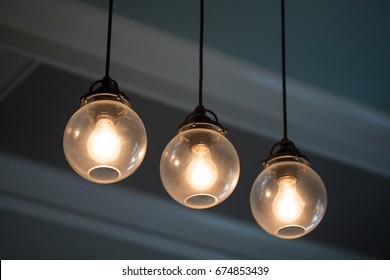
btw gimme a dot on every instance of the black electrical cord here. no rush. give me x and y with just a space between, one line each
286 146
201 114
106 85
201 53
108 53
284 72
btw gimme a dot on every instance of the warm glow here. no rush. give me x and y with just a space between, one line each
104 144
287 205
201 173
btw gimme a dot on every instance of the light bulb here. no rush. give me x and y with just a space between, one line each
105 140
201 173
104 144
288 199
199 168
288 204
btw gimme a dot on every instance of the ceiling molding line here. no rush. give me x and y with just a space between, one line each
18 75
56 196
163 67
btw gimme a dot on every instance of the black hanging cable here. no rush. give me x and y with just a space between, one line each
284 73
201 114
286 146
106 85
108 53
201 53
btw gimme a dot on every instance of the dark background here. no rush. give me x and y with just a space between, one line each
48 59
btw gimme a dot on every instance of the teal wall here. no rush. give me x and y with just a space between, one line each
339 46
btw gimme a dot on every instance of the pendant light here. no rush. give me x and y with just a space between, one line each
105 140
199 168
288 198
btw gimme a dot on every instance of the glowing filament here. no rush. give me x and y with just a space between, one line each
288 204
201 173
104 144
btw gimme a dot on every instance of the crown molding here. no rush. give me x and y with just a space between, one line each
60 197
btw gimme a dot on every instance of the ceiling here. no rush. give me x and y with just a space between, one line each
330 44
338 109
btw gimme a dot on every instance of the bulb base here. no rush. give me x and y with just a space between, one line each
108 90
287 152
199 119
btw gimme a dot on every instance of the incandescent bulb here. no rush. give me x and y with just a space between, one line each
104 144
105 140
201 173
199 167
288 198
288 204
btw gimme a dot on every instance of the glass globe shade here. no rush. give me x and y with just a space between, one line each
199 168
288 199
105 141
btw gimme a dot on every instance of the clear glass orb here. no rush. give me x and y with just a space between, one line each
199 168
105 141
288 199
